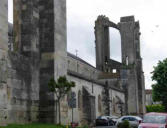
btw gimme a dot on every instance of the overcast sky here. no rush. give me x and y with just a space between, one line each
81 15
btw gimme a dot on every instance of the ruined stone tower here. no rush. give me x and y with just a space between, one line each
133 81
130 41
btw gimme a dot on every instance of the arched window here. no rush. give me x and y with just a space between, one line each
127 60
79 99
99 104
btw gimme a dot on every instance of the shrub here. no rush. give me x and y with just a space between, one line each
124 124
155 108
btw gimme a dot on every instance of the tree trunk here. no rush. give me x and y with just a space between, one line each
59 112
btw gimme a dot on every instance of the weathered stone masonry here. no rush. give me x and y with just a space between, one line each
37 51
130 72
3 60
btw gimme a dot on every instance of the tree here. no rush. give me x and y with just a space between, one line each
159 75
60 87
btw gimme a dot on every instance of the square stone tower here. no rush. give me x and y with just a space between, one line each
130 42
53 53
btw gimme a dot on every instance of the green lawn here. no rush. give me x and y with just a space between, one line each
33 126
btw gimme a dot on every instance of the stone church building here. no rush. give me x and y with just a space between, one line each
34 49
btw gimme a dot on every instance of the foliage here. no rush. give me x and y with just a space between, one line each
33 126
155 108
124 124
80 127
60 87
160 87
84 126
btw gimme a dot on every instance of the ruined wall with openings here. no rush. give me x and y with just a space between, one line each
129 74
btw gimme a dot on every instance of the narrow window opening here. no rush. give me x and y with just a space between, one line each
115 44
99 104
10 25
114 71
127 60
79 99
10 11
106 60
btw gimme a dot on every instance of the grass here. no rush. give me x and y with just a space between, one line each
37 126
33 126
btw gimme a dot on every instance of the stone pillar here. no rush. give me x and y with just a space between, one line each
127 26
130 37
60 38
53 52
139 69
127 30
46 29
3 60
60 47
102 42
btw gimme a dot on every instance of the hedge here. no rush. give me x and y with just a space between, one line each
155 108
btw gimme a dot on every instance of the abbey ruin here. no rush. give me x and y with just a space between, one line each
34 49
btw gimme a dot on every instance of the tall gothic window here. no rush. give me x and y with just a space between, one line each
99 104
79 99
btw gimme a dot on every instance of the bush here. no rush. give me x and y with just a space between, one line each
124 124
80 127
155 108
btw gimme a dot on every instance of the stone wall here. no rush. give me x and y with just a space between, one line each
116 98
83 70
23 89
80 66
96 90
3 60
26 29
81 114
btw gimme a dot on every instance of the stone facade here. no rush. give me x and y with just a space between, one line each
36 50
